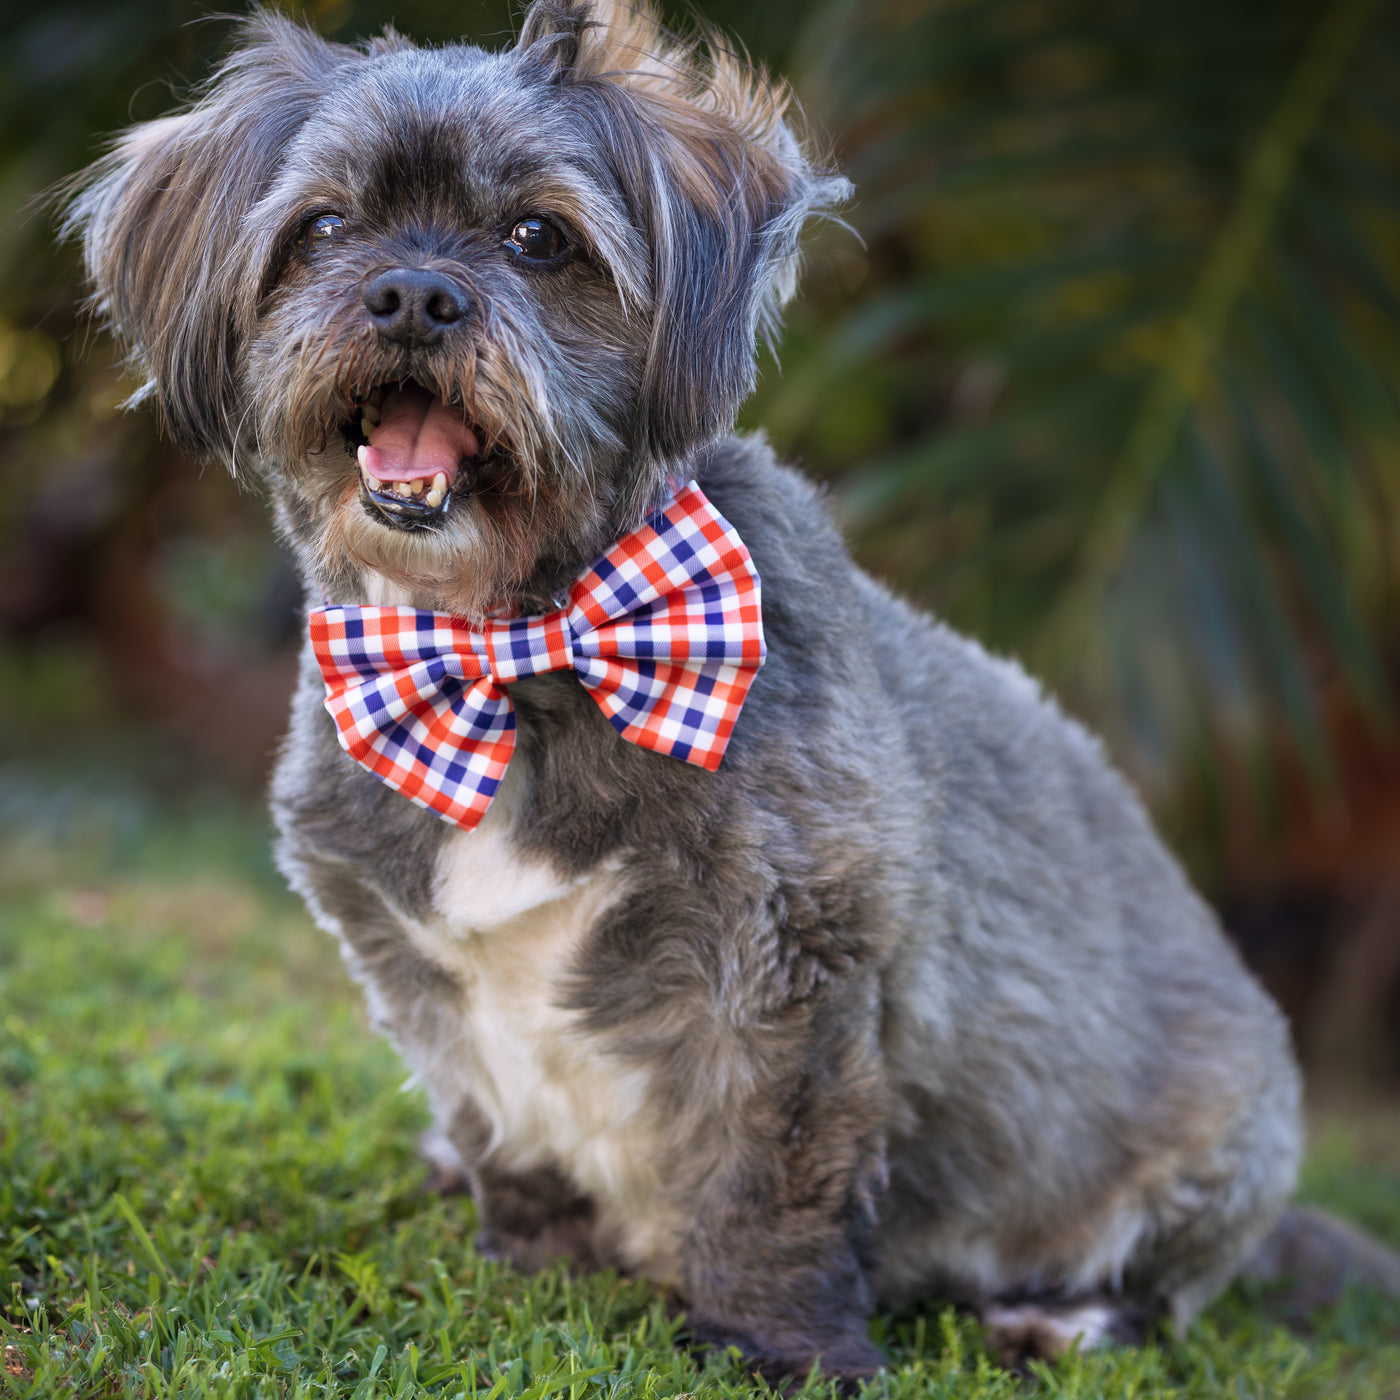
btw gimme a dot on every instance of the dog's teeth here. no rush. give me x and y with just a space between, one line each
440 485
361 455
366 427
374 483
370 414
434 497
404 489
416 486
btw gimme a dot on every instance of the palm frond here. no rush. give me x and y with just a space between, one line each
1126 345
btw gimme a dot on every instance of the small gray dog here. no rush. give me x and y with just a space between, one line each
904 1000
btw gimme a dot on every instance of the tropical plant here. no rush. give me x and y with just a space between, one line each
1114 386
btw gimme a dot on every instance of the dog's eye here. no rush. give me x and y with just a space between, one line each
536 239
321 230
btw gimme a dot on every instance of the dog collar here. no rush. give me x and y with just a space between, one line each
664 631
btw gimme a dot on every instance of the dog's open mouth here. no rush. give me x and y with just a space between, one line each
416 455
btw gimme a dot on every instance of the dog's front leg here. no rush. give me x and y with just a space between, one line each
785 1168
529 1218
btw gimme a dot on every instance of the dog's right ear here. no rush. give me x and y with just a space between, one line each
707 148
162 215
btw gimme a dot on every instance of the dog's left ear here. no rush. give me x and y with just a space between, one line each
705 148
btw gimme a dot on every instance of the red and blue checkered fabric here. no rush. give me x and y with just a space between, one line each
664 631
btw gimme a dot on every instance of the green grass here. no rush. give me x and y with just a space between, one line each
208 1184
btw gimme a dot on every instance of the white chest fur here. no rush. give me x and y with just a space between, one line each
509 930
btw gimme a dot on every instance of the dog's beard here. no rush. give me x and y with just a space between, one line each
450 475
472 564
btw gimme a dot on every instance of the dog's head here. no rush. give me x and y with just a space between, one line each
465 311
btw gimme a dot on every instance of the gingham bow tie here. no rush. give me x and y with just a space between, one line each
664 631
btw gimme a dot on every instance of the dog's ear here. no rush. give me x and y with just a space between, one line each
705 147
162 215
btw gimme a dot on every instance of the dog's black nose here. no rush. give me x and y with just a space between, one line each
413 305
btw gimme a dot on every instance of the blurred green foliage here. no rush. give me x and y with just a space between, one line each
1114 387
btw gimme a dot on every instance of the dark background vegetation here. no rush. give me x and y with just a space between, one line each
1105 373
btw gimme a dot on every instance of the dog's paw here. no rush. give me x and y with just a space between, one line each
848 1359
1045 1330
559 1244
447 1173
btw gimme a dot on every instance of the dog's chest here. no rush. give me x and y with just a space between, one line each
510 931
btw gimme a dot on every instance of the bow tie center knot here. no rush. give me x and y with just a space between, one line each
529 646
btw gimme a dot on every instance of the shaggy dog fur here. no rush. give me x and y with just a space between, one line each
906 1001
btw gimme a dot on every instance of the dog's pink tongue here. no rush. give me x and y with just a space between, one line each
418 436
